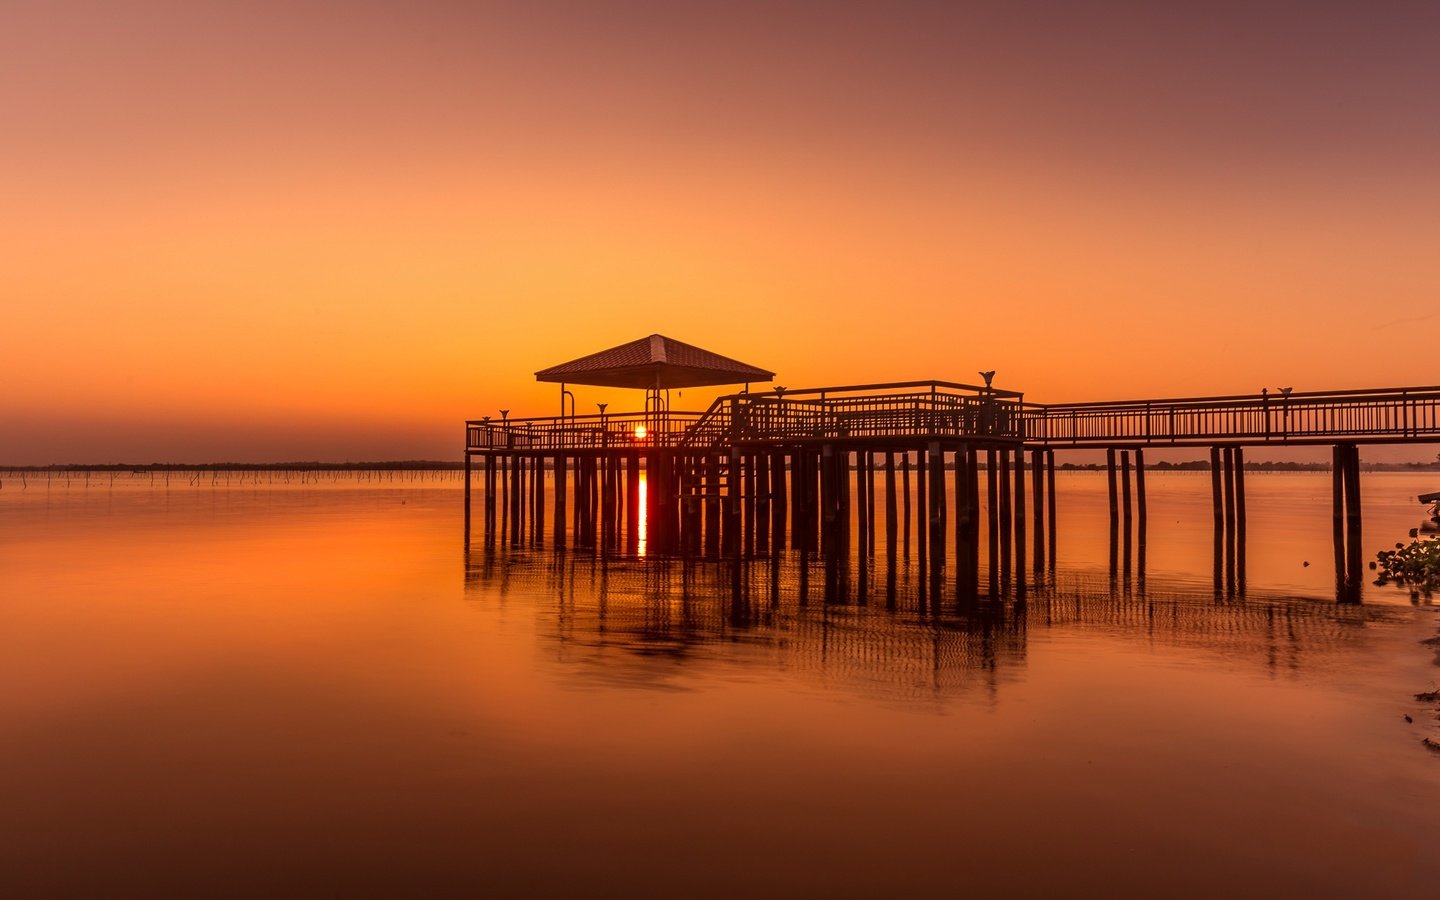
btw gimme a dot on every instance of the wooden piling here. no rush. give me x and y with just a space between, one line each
870 498
922 516
891 526
967 480
1339 460
491 478
905 499
517 479
992 515
827 499
734 484
937 507
761 463
1140 510
710 491
962 521
1239 465
1228 476
1217 495
1020 519
777 499
1140 518
1127 518
1354 551
1112 494
862 507
747 498
539 500
504 477
1050 503
813 476
1007 523
1037 479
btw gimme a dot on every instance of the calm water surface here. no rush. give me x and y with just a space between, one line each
263 688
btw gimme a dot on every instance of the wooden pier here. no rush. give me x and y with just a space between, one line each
758 472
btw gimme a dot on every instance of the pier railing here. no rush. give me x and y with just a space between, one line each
875 412
922 410
899 410
1388 414
589 432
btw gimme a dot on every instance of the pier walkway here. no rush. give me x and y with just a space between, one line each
907 413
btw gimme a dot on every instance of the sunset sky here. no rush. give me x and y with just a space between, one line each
269 231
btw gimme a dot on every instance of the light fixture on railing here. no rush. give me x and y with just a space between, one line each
1285 391
485 419
602 407
504 415
989 377
780 390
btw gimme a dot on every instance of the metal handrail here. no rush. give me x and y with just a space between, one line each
1395 413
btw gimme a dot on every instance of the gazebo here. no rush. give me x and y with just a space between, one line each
654 364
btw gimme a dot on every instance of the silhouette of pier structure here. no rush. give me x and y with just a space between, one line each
758 471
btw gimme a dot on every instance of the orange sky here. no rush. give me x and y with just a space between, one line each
303 230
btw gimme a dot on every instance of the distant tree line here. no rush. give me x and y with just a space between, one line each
407 465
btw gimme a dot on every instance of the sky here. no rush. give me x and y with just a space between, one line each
271 231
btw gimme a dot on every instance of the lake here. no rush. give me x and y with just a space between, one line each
298 685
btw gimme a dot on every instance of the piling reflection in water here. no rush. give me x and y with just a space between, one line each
645 616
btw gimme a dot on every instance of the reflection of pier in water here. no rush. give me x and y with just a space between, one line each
648 622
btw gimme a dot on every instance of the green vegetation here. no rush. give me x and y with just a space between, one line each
1416 565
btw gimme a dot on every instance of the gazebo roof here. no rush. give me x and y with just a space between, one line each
654 362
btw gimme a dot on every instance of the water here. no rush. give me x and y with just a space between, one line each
300 688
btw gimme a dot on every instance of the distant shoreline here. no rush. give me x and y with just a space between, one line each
430 465
420 465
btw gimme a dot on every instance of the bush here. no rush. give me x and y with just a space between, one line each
1416 565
